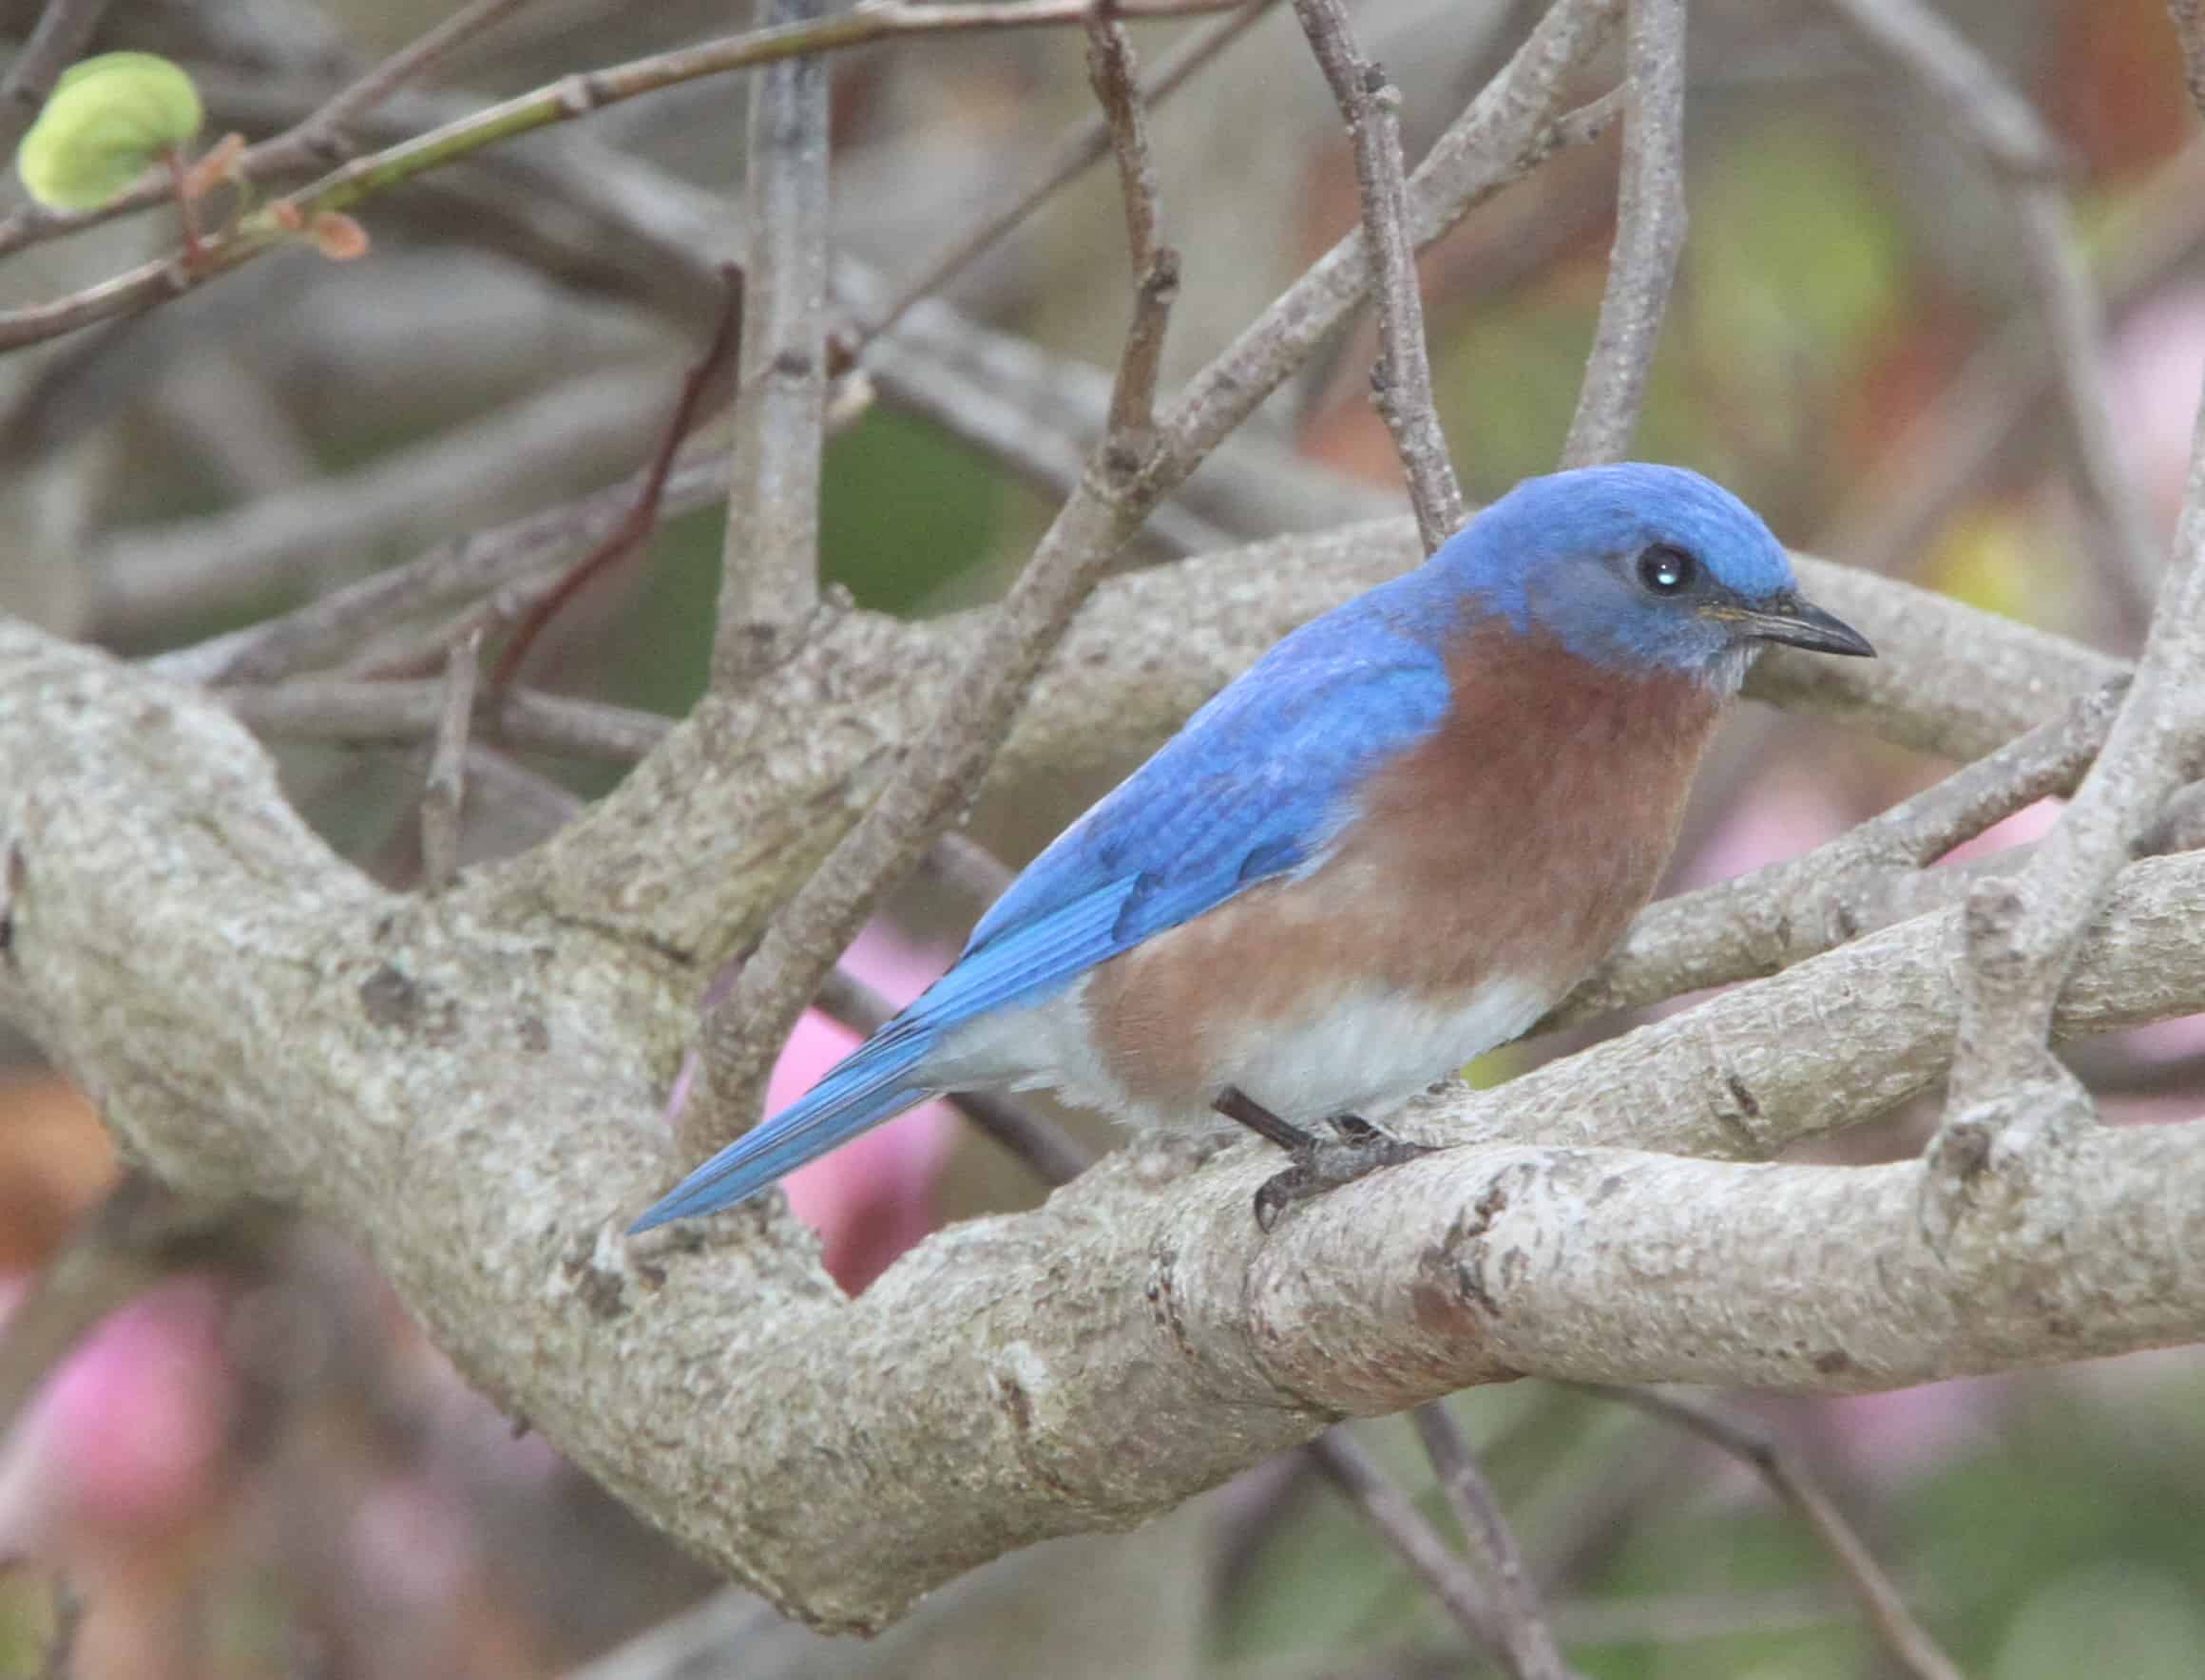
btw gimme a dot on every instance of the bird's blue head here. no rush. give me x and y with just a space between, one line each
1640 567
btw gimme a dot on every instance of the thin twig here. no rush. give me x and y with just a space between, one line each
269 227
543 542
1649 222
2189 17
1352 1470
1115 77
1002 423
1905 1638
1962 438
646 512
1525 1642
1515 125
1967 92
406 713
744 1030
1079 149
59 1662
145 577
768 580
1788 911
57 41
2023 931
321 137
444 793
1401 379
317 140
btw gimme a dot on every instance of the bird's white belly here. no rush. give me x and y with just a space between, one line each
1369 1049
1362 1049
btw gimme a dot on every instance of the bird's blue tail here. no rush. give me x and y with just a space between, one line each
883 1075
868 1086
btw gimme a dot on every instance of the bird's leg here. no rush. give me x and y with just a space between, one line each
1319 1163
1236 1104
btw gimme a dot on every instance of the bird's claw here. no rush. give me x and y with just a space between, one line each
1356 1147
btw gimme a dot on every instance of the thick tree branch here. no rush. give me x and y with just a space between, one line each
480 1103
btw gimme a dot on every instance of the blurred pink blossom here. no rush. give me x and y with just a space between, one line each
125 1444
1783 814
2153 367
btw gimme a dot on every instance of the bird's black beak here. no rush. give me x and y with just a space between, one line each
1799 623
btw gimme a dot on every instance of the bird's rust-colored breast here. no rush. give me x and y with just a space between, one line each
1534 823
1513 844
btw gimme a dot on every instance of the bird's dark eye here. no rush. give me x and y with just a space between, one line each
1666 571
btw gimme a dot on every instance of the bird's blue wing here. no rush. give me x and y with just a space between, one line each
1254 787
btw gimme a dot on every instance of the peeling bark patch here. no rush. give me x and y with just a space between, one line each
10 885
1016 1404
388 999
604 1293
391 998
1742 1095
1164 1301
1460 1255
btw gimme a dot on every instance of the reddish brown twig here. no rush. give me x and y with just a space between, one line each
644 516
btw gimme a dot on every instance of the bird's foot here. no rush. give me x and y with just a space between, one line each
1326 1163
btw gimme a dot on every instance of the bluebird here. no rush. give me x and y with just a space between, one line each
1395 842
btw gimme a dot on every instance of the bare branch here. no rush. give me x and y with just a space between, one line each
1785 912
453 572
57 41
444 792
1387 1509
406 713
769 580
1955 443
2023 931
1517 1627
146 577
269 228
1114 75
1081 147
1907 1641
1401 379
1649 222
322 137
1965 89
744 1031
1511 128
